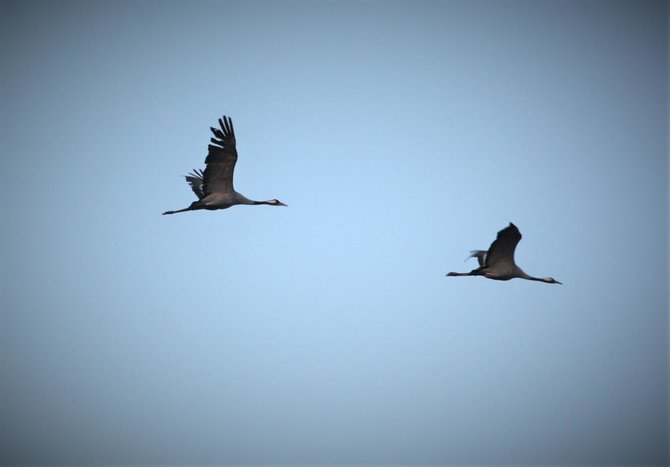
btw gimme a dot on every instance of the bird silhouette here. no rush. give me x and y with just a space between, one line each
214 185
498 262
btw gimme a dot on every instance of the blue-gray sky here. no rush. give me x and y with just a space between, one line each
401 135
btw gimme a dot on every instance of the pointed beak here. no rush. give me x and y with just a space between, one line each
282 204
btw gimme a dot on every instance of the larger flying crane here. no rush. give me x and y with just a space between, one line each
214 185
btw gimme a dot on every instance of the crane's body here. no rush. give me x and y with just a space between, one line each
497 262
214 185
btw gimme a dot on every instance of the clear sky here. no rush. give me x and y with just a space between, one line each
402 135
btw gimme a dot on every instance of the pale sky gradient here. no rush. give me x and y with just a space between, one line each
402 135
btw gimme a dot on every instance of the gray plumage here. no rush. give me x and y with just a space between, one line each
498 262
214 185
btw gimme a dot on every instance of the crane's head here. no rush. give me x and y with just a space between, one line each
550 280
276 202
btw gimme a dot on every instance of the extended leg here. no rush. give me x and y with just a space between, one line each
193 207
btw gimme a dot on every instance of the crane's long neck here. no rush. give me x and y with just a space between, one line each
523 275
241 199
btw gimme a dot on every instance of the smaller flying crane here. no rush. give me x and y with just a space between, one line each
498 262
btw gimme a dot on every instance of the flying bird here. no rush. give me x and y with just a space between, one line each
214 185
498 262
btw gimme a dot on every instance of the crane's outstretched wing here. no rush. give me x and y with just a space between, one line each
221 159
501 251
195 180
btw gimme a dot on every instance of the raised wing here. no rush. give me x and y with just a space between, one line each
480 255
195 180
501 251
221 159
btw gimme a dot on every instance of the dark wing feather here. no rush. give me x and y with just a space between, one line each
480 255
501 251
221 159
195 180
